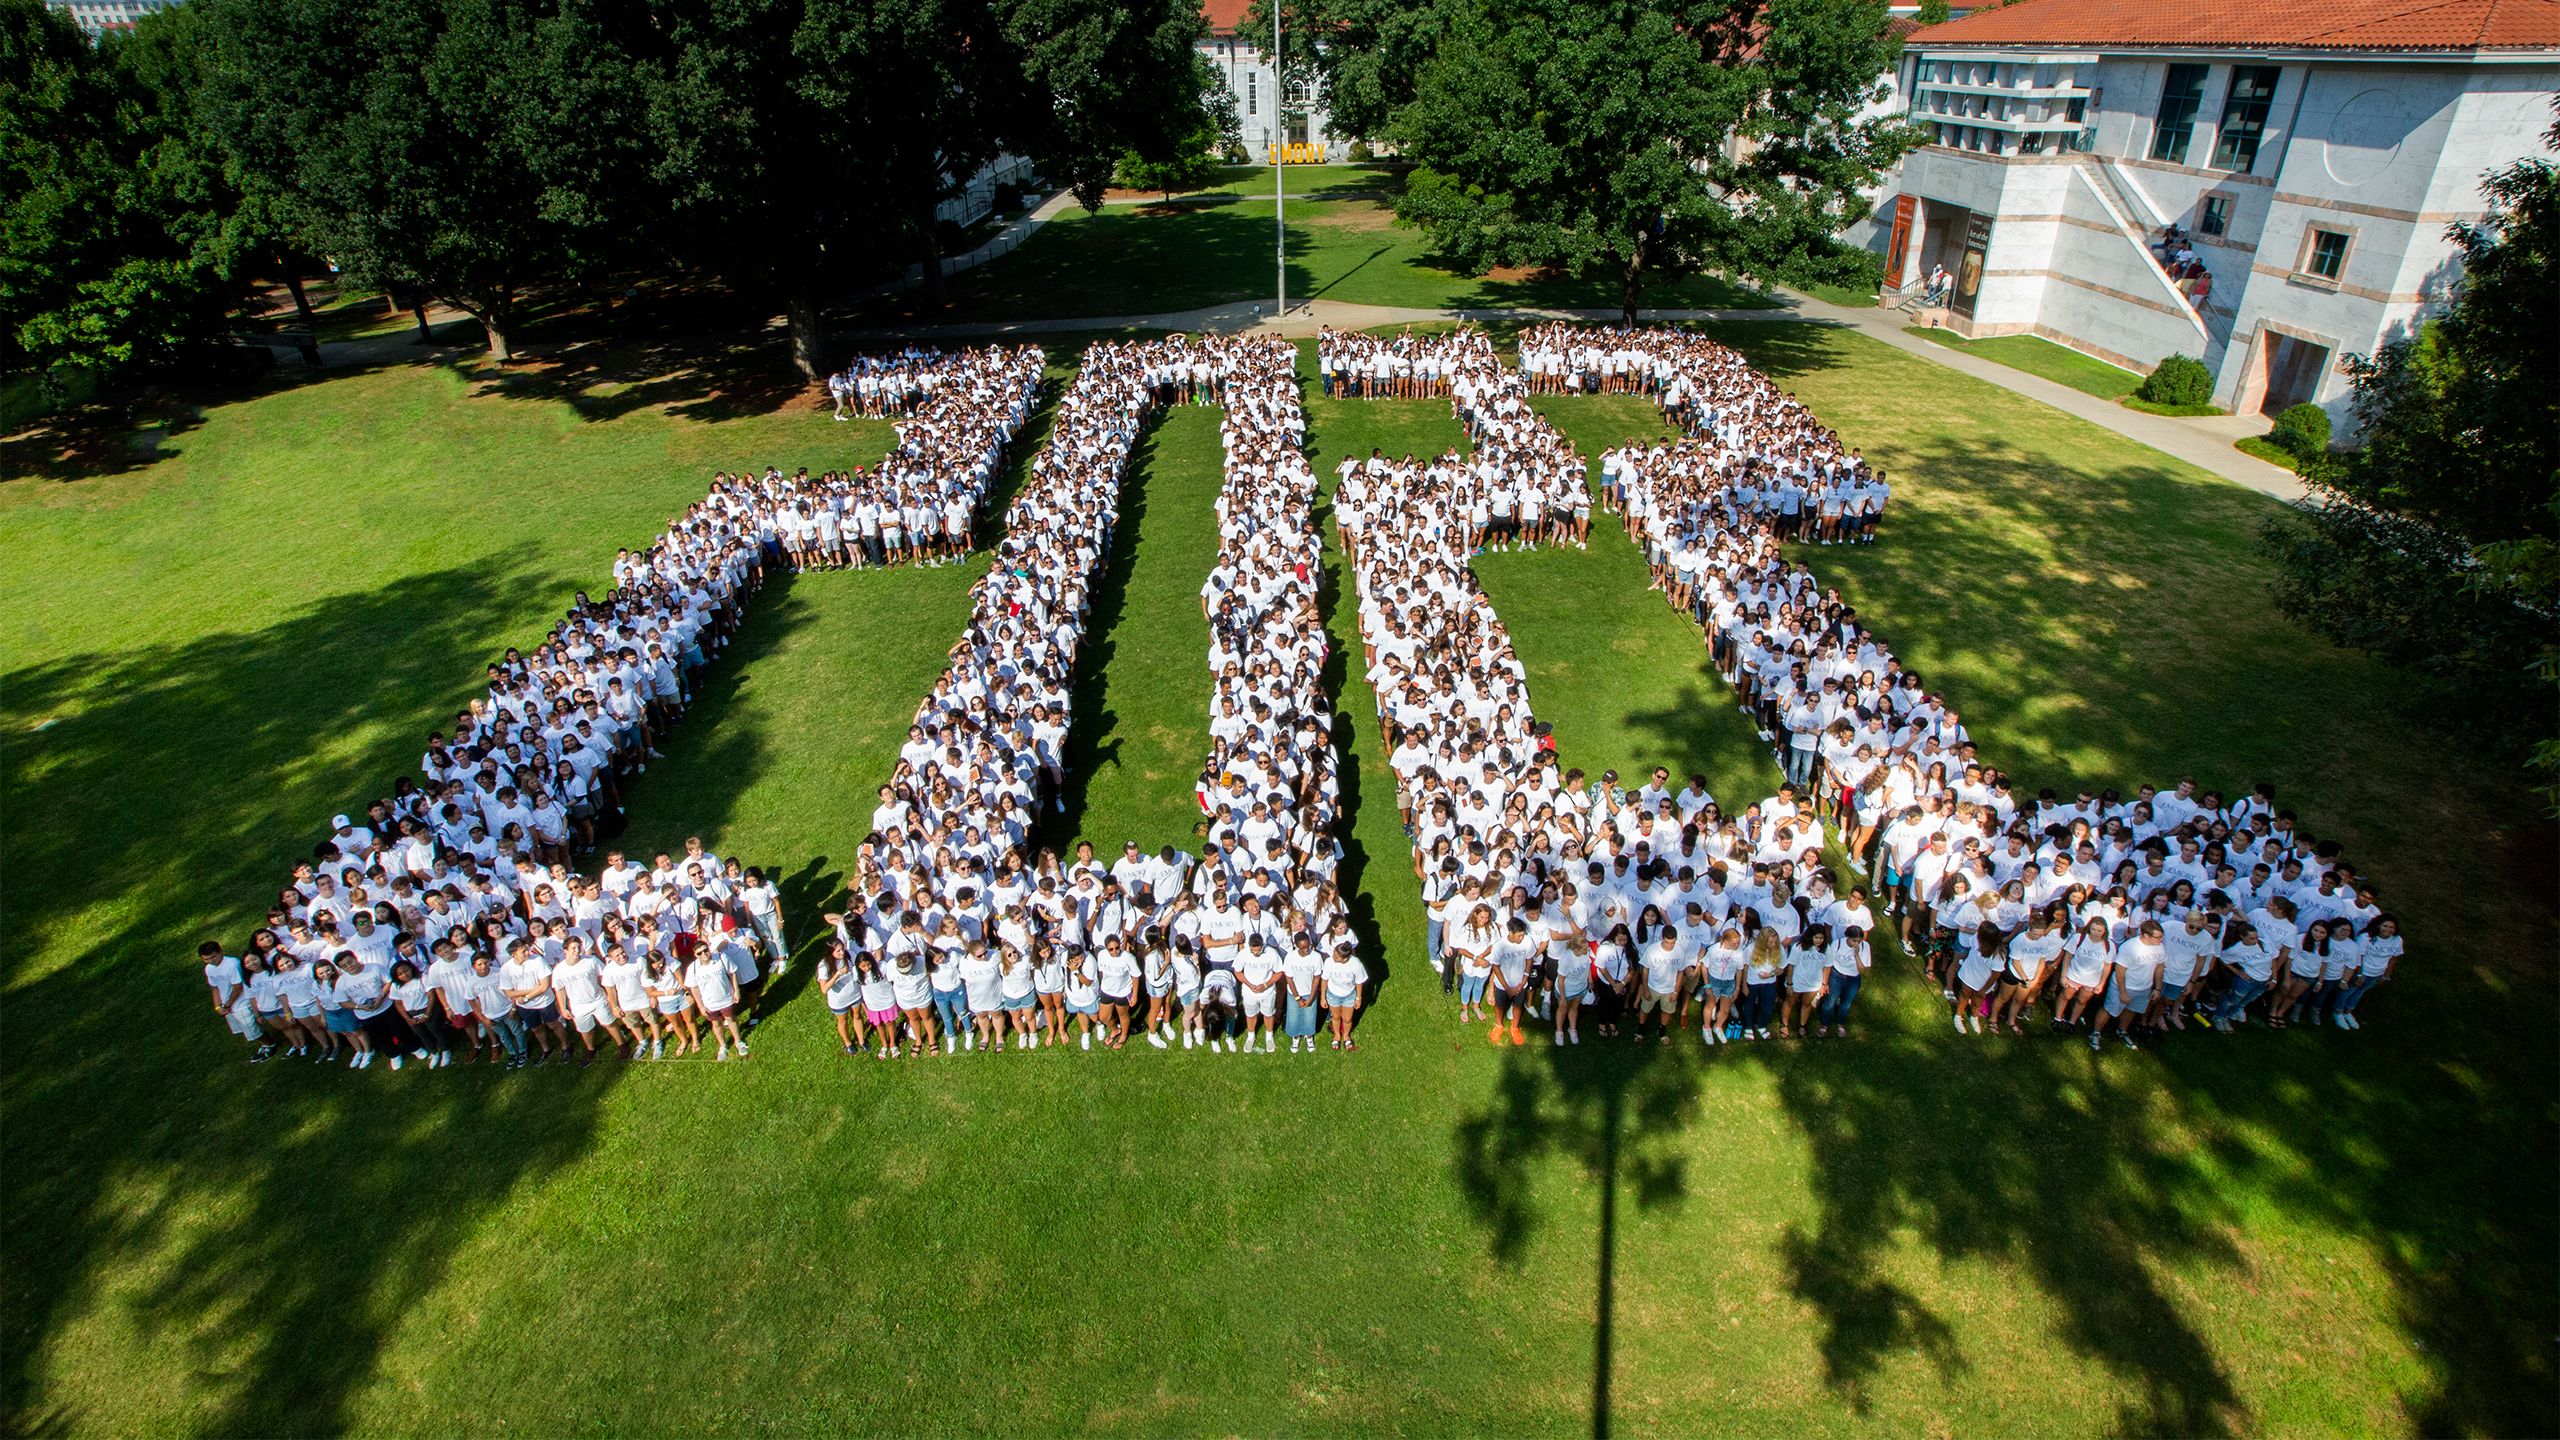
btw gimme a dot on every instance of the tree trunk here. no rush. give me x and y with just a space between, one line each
496 316
418 307
301 301
1631 281
808 339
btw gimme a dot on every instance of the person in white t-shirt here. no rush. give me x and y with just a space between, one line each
222 974
711 975
1345 979
578 982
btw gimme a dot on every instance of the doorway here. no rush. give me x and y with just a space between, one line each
2293 370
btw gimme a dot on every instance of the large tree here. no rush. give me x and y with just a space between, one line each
800 139
1198 155
1639 139
2436 542
120 240
469 149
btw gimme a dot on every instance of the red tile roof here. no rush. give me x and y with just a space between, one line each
2428 25
1224 15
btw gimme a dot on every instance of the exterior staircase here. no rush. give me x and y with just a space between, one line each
2138 222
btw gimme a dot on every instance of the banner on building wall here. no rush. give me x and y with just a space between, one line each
1977 245
1903 205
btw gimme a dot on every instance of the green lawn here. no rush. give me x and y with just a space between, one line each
1312 181
2038 356
2301 1233
1150 259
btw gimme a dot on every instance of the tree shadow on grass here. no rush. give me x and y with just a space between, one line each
692 377
1614 1112
109 437
2095 1179
274 1225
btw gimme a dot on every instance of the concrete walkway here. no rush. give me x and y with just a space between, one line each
2204 442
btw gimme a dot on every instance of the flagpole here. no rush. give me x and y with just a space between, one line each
1279 158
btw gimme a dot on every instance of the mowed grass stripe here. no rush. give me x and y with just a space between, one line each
1140 724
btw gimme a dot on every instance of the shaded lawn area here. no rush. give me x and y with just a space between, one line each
1143 260
1915 1231
1316 182
2038 356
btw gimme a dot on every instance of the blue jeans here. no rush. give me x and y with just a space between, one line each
953 1007
1302 1018
2243 991
1834 1009
2354 991
1471 989
1759 1002
510 1033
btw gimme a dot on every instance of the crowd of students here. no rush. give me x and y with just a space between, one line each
2165 907
959 939
1547 897
880 386
921 501
446 921
1521 922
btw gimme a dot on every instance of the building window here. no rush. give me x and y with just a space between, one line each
2244 116
2179 100
2213 217
1252 91
2325 254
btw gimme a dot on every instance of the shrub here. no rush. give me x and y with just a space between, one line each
2303 430
2178 380
1361 152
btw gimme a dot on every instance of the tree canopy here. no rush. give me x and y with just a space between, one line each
121 240
469 148
477 151
797 139
1635 138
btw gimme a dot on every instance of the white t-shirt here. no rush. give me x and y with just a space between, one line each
1344 975
714 980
